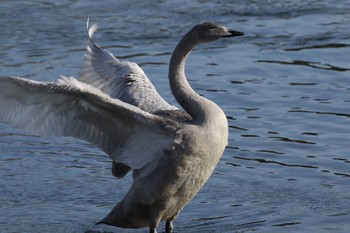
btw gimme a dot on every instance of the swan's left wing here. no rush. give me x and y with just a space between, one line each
120 79
68 107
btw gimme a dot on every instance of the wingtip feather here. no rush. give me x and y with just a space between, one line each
90 30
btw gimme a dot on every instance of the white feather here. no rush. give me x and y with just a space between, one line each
120 79
68 107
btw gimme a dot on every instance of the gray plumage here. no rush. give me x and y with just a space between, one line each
172 152
120 79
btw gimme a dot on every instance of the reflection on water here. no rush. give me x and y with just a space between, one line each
284 88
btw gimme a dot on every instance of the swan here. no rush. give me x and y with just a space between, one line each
113 105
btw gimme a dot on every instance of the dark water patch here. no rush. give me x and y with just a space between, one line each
249 109
270 152
340 214
320 113
302 84
212 64
321 99
310 133
341 174
253 117
215 90
211 218
285 139
316 65
213 75
249 136
10 159
238 128
75 166
325 102
324 46
236 205
157 64
234 164
286 224
342 159
276 162
237 82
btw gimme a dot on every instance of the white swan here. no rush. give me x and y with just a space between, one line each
171 152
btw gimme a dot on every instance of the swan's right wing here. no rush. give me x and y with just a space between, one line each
120 79
68 107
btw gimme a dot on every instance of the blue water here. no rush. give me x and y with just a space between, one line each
284 87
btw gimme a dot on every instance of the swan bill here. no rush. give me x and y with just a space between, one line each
233 33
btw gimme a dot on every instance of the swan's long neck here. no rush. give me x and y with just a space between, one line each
194 104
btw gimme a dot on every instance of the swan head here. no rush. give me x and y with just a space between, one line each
208 31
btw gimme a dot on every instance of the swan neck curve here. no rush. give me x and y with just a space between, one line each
191 102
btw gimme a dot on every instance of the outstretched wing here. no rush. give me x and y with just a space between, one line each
120 79
68 107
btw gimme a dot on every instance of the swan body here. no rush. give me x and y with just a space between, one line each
172 152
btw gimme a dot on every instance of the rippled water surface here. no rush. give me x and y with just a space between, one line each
284 87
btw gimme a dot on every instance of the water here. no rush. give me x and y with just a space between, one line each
284 87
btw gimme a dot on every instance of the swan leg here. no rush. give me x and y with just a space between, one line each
169 226
169 223
154 220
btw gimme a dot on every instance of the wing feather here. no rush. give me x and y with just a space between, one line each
120 79
68 107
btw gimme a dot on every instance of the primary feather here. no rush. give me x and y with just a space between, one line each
120 79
